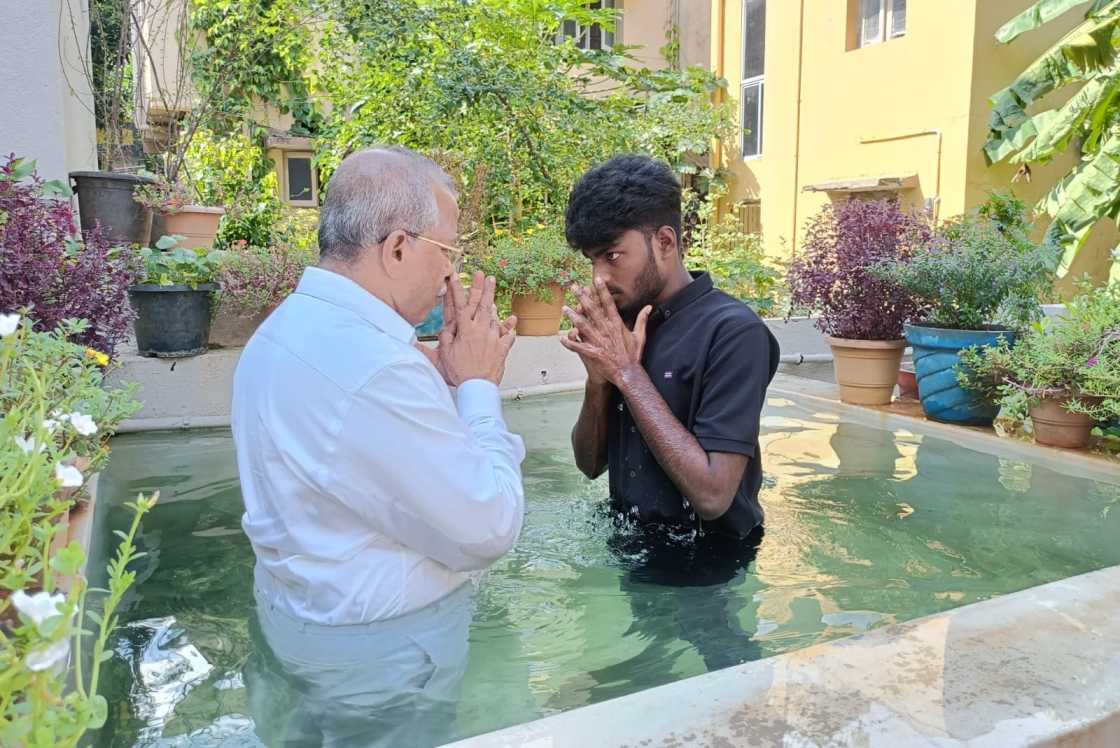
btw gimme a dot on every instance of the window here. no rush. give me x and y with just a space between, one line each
299 187
878 20
589 37
754 62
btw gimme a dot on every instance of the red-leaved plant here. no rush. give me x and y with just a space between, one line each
47 267
831 273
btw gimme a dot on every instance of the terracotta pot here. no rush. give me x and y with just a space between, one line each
197 224
231 331
866 370
907 383
1055 426
536 317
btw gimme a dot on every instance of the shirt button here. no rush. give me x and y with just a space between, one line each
633 430
620 407
633 474
668 312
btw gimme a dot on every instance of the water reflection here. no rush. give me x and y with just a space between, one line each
864 527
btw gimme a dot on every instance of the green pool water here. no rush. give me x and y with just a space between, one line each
864 527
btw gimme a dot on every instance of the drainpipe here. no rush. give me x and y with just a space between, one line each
919 134
717 96
797 128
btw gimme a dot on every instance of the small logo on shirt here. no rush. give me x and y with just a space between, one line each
668 375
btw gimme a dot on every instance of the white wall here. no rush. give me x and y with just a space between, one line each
46 110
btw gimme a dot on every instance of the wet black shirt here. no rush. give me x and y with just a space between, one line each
711 357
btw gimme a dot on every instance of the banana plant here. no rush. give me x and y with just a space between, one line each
1084 57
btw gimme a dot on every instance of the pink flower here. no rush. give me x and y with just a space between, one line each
503 263
1091 362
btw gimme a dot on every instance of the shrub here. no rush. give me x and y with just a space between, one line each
57 418
256 279
832 274
529 263
46 267
1074 356
977 269
734 258
170 265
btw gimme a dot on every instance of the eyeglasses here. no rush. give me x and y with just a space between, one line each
454 254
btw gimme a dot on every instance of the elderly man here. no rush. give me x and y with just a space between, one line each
370 492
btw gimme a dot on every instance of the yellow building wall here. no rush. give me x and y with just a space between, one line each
917 105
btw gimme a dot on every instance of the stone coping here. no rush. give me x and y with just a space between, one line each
1037 667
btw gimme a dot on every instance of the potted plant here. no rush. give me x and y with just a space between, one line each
254 280
861 314
1063 373
173 299
48 267
533 269
176 213
981 279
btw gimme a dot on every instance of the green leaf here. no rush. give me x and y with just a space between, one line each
106 655
1090 192
69 560
57 188
167 242
1035 16
100 711
22 169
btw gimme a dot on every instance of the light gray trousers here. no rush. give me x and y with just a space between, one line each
387 683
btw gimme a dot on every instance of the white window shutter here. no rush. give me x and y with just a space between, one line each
871 22
898 18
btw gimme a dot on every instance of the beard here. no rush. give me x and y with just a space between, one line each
647 287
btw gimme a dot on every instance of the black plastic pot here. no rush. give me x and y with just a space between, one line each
171 321
105 197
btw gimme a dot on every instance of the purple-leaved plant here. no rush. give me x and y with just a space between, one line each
46 266
830 274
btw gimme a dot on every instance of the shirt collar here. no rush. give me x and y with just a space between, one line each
700 285
340 291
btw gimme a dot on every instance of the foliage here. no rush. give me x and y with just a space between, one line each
46 266
257 51
1084 57
832 273
256 279
233 170
977 270
487 81
162 196
110 74
735 259
1076 355
56 419
171 265
529 263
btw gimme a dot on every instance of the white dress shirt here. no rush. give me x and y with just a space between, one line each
368 493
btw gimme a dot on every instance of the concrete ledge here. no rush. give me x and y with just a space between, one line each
1038 667
195 392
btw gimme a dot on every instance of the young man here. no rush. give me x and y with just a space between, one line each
677 371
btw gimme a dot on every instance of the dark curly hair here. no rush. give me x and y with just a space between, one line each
627 192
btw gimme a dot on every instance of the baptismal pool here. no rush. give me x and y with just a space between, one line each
864 527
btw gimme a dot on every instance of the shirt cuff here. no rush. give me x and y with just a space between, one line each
734 446
479 398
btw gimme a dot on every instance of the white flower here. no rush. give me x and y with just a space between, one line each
68 475
38 608
29 445
9 323
82 423
50 424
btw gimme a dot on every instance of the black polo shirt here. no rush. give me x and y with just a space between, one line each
711 357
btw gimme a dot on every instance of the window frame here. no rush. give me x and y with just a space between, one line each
754 81
886 23
285 187
582 35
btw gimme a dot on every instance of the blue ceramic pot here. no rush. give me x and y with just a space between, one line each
432 324
936 355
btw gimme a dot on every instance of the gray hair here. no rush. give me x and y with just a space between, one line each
374 192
